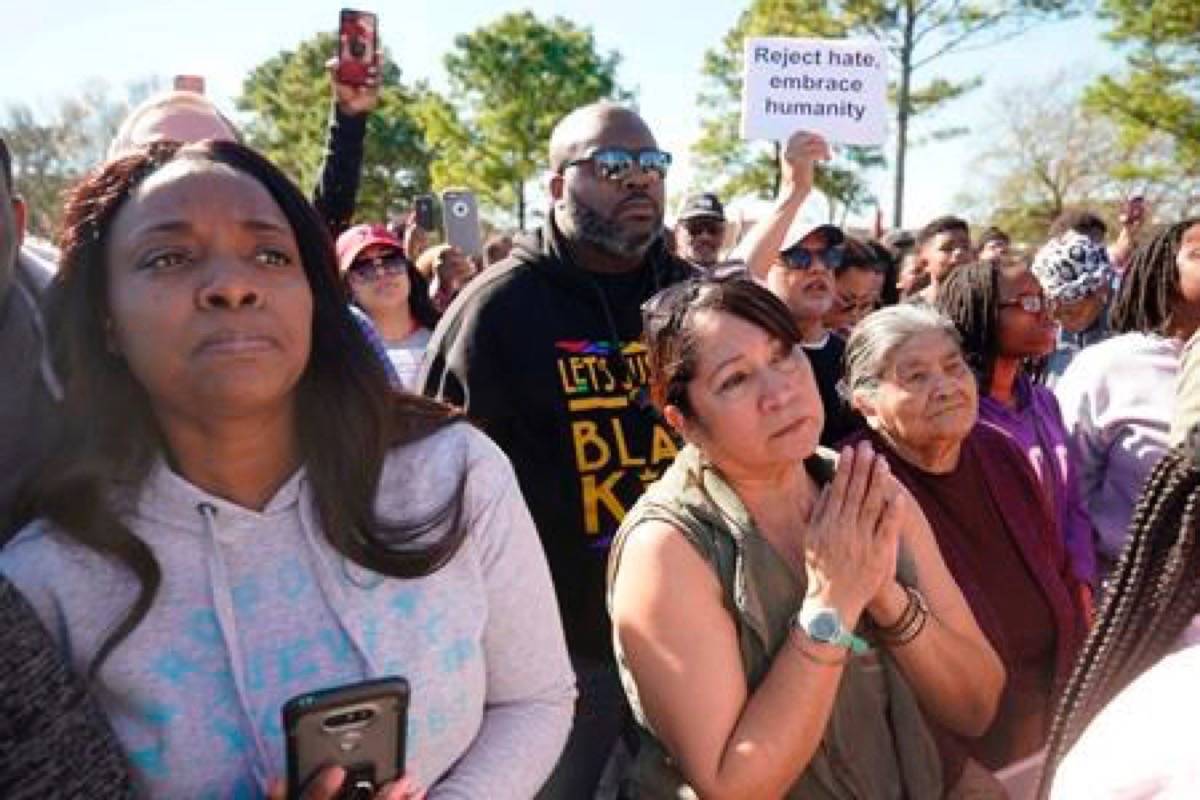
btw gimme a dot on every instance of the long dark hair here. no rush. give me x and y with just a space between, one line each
1153 595
348 417
1150 288
970 298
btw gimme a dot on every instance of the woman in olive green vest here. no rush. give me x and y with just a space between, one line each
780 617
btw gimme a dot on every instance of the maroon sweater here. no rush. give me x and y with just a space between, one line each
998 538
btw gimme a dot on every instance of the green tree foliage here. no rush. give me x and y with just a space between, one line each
1160 93
52 150
289 100
510 82
916 34
1049 152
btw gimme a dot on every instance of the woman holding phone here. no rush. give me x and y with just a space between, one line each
243 511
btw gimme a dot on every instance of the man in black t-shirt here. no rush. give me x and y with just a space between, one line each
543 351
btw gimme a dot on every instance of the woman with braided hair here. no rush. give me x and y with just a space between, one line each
1005 323
1118 396
1112 735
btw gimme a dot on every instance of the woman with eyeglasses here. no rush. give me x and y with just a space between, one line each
858 286
781 614
1006 326
387 287
907 375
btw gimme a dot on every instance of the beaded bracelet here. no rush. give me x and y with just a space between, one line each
910 624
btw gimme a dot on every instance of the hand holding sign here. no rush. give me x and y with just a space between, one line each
797 159
837 88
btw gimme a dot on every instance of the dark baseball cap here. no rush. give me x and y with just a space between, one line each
700 206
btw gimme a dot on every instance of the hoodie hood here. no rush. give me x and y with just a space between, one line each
547 251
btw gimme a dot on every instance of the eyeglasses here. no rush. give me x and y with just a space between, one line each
802 258
856 305
1030 304
616 163
372 269
699 227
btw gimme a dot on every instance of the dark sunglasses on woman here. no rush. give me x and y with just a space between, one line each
372 269
802 257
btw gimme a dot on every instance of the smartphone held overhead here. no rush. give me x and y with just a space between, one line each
358 43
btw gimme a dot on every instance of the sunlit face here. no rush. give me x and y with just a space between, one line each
1080 314
1023 334
941 254
856 295
451 272
622 217
754 400
699 240
209 304
382 287
994 250
808 293
1188 262
926 396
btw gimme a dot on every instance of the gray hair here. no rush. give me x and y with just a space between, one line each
875 340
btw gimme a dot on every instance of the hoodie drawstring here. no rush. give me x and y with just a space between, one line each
222 599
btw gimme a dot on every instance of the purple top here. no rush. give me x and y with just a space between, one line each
1037 427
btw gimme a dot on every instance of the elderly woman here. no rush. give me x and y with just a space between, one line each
1005 323
780 618
907 375
243 511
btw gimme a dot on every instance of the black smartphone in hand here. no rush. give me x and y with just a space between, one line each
360 727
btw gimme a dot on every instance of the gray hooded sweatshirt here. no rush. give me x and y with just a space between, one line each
256 607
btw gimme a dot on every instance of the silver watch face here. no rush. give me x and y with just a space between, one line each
824 626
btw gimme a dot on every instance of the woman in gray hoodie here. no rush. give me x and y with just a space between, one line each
244 511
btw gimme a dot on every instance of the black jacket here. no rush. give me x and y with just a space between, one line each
527 351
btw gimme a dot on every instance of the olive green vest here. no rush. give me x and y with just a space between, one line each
876 744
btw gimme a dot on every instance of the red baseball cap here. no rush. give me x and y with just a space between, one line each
354 240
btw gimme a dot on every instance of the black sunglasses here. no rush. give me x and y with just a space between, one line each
616 163
802 258
371 269
699 227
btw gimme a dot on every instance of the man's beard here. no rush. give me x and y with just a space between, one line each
588 225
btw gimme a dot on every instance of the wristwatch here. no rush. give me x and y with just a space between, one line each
824 625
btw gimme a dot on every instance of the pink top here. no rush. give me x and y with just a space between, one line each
1143 744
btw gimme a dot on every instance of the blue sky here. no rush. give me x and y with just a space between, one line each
50 49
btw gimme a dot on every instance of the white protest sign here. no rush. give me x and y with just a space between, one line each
834 87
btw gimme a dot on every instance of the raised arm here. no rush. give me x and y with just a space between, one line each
796 163
336 191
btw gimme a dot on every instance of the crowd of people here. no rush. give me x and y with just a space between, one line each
782 511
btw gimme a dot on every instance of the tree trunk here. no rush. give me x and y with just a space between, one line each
777 176
520 205
902 100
